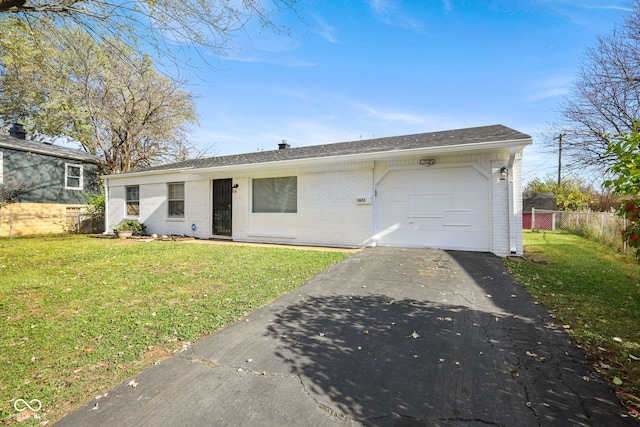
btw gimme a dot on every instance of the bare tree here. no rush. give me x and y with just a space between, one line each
10 191
605 99
166 25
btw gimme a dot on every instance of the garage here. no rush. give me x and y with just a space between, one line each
434 207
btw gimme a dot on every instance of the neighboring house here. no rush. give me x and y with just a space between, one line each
458 189
539 201
53 182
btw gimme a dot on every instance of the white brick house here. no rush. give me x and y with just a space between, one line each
440 190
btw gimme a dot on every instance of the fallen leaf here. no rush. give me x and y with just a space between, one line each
617 339
632 357
566 326
617 381
415 335
133 383
24 415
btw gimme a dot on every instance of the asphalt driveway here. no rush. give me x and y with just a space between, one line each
390 336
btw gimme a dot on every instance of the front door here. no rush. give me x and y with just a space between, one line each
222 207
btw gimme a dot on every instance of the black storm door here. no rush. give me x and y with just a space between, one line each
222 207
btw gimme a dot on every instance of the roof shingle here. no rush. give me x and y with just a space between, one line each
46 149
494 133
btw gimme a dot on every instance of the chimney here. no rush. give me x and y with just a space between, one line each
17 130
283 145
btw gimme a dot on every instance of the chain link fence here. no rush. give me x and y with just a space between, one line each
606 227
25 224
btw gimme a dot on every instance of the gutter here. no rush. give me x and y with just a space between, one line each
106 206
513 247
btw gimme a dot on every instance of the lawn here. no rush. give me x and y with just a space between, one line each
78 315
594 292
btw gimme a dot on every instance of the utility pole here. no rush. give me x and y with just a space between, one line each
559 138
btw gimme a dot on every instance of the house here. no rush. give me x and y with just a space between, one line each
459 189
532 202
49 182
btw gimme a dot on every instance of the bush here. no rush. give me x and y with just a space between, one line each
135 226
96 212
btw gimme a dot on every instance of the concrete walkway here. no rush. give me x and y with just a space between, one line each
388 337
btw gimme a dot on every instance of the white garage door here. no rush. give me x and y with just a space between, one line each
444 208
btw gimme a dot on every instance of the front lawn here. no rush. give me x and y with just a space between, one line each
594 292
78 315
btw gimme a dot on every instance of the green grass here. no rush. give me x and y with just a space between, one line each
594 292
79 315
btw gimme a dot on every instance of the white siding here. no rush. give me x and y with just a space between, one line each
328 212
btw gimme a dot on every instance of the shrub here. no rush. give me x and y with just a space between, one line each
135 226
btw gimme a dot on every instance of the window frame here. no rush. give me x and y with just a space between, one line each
79 177
279 188
132 202
170 200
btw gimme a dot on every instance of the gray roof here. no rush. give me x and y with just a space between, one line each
494 133
46 149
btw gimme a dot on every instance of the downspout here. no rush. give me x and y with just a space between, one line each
106 206
513 248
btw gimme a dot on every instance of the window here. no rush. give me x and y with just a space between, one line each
72 177
175 197
275 195
133 200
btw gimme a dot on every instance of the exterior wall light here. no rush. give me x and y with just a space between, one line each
235 188
504 173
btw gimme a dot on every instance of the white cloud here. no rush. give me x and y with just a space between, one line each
324 30
390 116
381 7
587 4
551 87
391 13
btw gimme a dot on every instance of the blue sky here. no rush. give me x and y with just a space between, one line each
374 68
